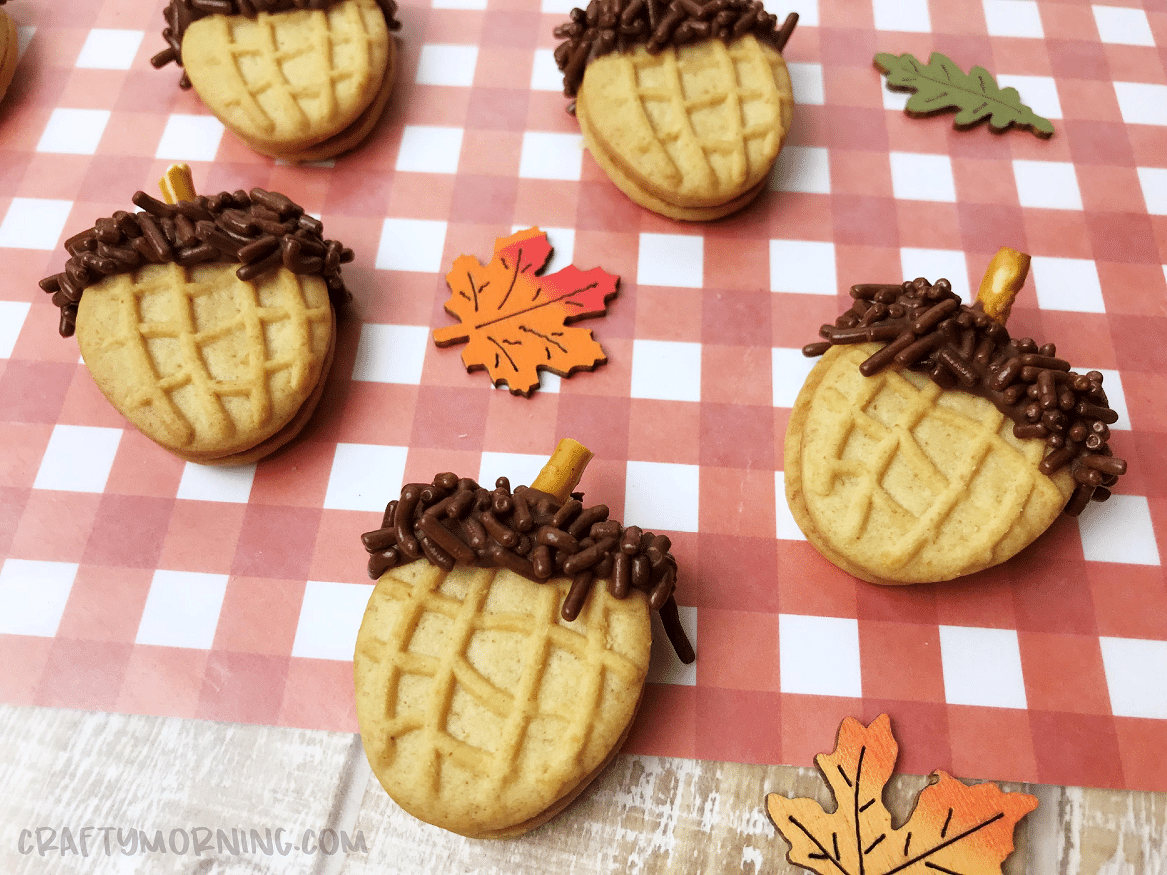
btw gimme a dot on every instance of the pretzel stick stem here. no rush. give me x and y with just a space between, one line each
178 184
563 470
1003 279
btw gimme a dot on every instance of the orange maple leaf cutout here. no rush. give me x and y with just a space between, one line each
954 828
514 320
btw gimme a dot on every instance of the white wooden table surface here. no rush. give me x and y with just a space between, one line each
73 769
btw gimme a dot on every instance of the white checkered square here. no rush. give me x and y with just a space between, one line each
666 370
919 177
1050 185
545 74
78 458
363 475
982 667
190 138
902 15
1067 284
520 469
548 382
662 495
1119 530
228 483
808 11
1013 18
429 149
663 665
802 168
547 155
182 609
330 616
804 266
12 316
1039 93
806 81
441 64
34 595
562 241
819 656
1115 396
1142 103
109 49
1153 181
73 131
671 260
895 100
932 264
34 223
24 35
1135 676
786 529
1125 27
391 353
788 371
412 244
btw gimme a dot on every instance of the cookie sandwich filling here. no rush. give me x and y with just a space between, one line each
260 230
926 328
181 14
620 25
530 532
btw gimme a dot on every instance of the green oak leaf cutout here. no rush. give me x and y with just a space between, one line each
940 84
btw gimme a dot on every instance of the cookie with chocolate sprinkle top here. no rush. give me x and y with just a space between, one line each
208 323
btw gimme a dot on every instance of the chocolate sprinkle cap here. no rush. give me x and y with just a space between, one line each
925 327
260 230
454 520
620 25
181 14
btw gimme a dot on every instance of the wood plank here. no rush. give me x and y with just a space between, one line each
76 769
1112 831
644 814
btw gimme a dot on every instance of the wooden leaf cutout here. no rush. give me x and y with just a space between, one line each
940 85
514 320
954 828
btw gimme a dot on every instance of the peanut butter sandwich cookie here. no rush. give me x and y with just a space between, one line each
504 649
208 322
684 104
928 444
301 80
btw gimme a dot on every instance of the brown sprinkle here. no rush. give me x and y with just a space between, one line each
455 520
204 230
620 25
926 328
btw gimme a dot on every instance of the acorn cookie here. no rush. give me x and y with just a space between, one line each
301 80
503 652
685 105
927 444
208 322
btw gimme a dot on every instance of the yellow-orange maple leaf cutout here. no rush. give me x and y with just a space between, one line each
954 828
514 321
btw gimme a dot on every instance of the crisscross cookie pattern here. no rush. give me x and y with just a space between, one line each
289 77
179 390
424 599
718 112
902 459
